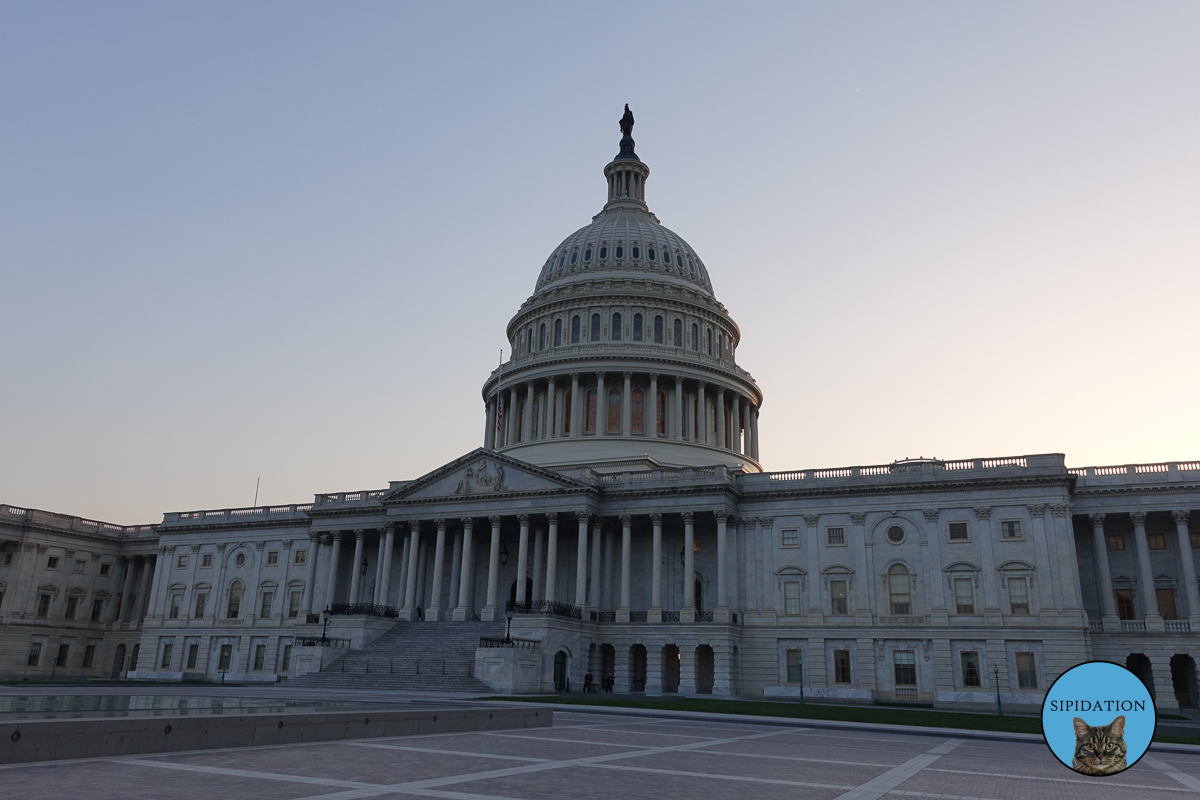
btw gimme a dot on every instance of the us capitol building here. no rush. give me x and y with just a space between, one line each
617 520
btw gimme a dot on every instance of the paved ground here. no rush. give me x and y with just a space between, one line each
624 758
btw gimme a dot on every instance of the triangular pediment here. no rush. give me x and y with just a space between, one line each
484 473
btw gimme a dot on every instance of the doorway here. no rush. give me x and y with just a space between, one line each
1183 679
608 664
118 661
637 668
670 668
561 682
512 594
705 669
1139 665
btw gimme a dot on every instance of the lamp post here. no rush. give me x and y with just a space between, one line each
508 631
996 680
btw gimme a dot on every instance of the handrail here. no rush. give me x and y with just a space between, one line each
511 641
361 610
553 608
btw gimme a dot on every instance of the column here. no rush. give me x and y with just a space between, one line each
455 575
126 591
389 544
552 554
527 414
1154 620
749 429
601 406
1108 601
761 579
626 565
310 573
721 420
862 575
988 576
379 562
581 560
402 588
512 427
1049 595
608 597
143 590
489 429
932 566
688 614
1188 563
408 612
214 607
655 613
650 408
627 407
594 599
553 413
677 422
462 612
162 570
702 416
358 563
734 599
735 416
439 569
489 608
750 543
522 558
577 405
539 553
754 424
721 607
422 571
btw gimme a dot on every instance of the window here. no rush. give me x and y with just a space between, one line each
8 560
176 601
240 559
1166 603
301 557
201 599
561 260
958 531
708 342
1026 671
604 252
900 589
575 330
658 330
568 398
206 560
904 664
80 565
1 599
1116 542
225 657
64 650
260 657
835 535
294 604
287 648
574 256
1125 603
235 603
595 327
587 254
970 670
1193 538
614 410
165 663
637 327
105 570
97 610
193 655
272 558
1157 541
1018 595
695 337
35 654
529 341
791 597
89 656
660 414
72 607
52 562
838 605
1010 529
795 666
43 609
637 419
666 256
841 667
558 330
791 537
895 534
636 254
268 599
964 595
616 327
650 253
678 333
181 562
590 424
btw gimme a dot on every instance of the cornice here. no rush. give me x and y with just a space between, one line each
907 488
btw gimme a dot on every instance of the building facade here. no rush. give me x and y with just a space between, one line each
618 514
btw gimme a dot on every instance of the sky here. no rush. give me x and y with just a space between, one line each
279 243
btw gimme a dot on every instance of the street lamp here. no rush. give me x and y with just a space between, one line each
504 556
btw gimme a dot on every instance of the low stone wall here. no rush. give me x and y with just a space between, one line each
508 670
57 739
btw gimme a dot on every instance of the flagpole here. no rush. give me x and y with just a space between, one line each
499 400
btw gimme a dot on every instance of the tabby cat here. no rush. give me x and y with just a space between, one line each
1099 750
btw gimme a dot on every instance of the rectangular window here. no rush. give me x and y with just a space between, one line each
838 605
1116 542
35 654
964 595
201 599
206 560
287 659
235 605
193 654
89 656
301 557
260 657
176 600
791 597
1125 603
72 607
181 562
43 609
8 559
64 650
904 662
791 537
835 535
1166 603
1193 538
660 414
1018 595
97 610
105 570
614 411
970 670
795 666
958 531
1026 671
81 565
1010 529
165 663
1157 541
52 562
841 667
225 658
1 599
294 604
272 558
268 599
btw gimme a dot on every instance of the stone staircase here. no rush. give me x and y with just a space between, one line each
413 656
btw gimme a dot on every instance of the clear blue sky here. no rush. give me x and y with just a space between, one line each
284 239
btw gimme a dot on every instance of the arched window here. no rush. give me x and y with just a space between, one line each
712 421
616 327
650 253
678 333
575 330
557 332
561 261
595 327
529 342
635 252
590 427
604 252
637 420
620 251
637 327
695 337
574 257
542 337
658 330
614 410
660 414
587 254
708 341
233 608
900 589
666 256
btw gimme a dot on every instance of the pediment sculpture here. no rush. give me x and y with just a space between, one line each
480 479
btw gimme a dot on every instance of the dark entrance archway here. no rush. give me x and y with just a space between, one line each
133 659
705 669
608 664
670 668
561 682
118 661
512 592
1139 665
1183 678
637 668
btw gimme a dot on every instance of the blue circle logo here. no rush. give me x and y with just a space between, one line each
1098 718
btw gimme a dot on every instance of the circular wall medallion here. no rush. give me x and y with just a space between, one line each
895 534
240 560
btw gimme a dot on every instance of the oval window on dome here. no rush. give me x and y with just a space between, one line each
635 253
562 261
666 256
587 254
574 257
604 252
650 253
620 251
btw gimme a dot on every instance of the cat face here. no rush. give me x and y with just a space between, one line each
1099 750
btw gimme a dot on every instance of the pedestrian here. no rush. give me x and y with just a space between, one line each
587 682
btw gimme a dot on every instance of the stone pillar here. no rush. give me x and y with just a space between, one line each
749 428
158 581
1154 620
455 575
1049 596
862 577
389 545
721 442
677 422
1066 556
422 571
522 558
143 589
552 556
433 613
688 613
489 608
687 668
310 573
379 562
627 407
355 583
734 563
512 426
127 592
933 567
754 423
594 598
553 413
656 601
601 406
702 416
489 430
650 409
462 612
735 416
527 415
581 561
1108 601
988 576
1187 561
626 566
721 606
402 587
576 408
539 575
408 612
608 596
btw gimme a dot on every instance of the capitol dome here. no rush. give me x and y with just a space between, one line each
623 358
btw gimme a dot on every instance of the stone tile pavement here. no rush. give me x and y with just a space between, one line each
612 756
